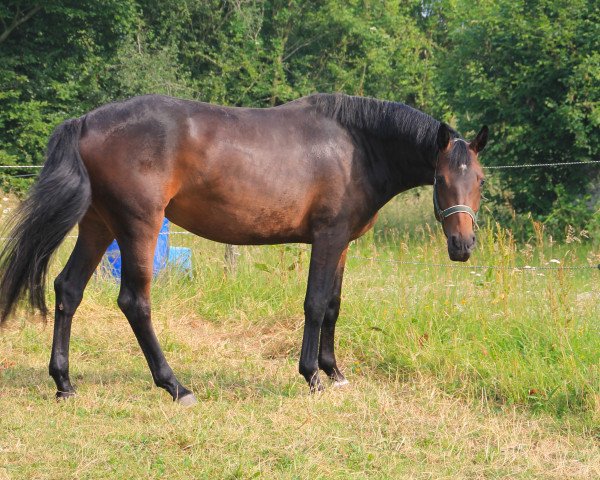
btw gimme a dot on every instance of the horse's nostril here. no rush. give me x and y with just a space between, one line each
455 241
462 243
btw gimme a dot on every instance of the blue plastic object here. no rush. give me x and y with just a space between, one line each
161 253
180 258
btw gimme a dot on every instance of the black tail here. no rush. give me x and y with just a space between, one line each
57 202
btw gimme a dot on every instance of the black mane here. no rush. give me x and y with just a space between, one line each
381 118
390 120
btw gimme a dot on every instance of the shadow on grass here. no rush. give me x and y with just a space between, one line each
214 384
242 384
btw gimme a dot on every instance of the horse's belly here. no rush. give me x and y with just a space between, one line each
241 224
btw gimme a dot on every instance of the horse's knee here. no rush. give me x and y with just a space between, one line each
333 309
125 301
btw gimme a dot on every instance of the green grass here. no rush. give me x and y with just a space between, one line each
455 372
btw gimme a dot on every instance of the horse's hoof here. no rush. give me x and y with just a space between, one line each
316 387
62 396
340 383
317 390
187 400
314 383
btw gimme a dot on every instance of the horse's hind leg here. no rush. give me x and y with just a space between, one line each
92 241
327 361
137 245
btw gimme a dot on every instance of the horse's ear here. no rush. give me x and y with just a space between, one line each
443 136
480 140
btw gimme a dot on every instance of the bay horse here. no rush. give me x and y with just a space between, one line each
315 170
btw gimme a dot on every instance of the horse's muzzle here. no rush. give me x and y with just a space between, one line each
460 247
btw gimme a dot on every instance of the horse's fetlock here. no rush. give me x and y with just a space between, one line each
58 370
328 368
326 363
163 376
308 370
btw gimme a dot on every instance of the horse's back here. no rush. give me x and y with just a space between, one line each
236 175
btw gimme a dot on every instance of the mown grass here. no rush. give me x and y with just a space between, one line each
455 372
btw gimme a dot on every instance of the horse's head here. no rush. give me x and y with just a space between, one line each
457 189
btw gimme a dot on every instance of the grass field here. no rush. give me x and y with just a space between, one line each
455 372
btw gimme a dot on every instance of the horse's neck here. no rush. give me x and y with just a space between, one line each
395 166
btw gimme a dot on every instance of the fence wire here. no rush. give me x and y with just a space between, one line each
525 268
418 263
538 165
487 167
18 167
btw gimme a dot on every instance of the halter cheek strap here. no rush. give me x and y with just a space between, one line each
440 214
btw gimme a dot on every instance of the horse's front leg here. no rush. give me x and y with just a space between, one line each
327 361
327 250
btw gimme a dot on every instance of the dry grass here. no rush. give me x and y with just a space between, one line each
255 418
453 375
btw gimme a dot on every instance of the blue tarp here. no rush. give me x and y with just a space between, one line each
161 253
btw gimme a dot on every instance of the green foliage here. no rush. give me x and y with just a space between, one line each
530 70
257 53
451 370
52 68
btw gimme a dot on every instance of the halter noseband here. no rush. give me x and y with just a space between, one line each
440 214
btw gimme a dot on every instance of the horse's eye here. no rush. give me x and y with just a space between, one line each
440 180
482 183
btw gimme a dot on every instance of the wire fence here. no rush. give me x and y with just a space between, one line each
488 167
418 263
539 165
19 167
467 266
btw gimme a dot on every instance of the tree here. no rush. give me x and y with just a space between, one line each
52 58
259 53
531 70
